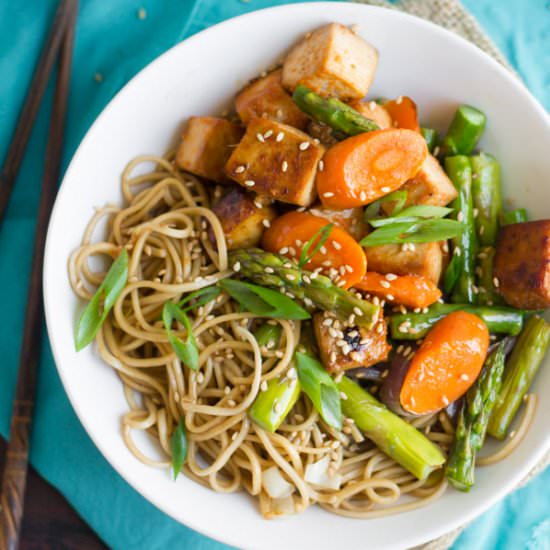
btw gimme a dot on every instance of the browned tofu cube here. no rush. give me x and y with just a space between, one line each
207 143
373 111
276 160
431 185
350 220
342 348
331 61
243 219
424 259
522 264
266 97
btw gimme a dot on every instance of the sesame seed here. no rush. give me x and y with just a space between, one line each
237 266
445 400
283 250
277 407
290 277
385 189
385 284
304 145
372 105
307 280
292 252
380 328
464 377
402 309
284 166
200 378
460 216
332 356
240 169
349 269
476 212
363 196
259 137
482 230
336 245
496 282
399 100
412 248
357 311
341 283
391 276
258 204
250 183
512 434
280 137
328 194
424 310
266 223
436 150
344 397
445 247
321 166
390 297
457 251
327 322
268 134
231 402
227 390
323 249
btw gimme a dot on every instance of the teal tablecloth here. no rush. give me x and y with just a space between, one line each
112 44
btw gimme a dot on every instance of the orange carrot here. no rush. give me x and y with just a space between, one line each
446 364
363 168
403 113
409 290
289 233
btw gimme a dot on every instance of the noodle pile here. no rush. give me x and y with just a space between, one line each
166 226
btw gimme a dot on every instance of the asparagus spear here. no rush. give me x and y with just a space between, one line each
334 113
412 326
271 406
488 294
472 421
430 135
460 277
271 270
397 438
519 215
464 132
487 197
522 366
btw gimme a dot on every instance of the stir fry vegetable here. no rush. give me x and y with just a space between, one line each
431 137
403 112
464 132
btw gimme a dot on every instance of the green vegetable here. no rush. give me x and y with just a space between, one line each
273 271
412 214
334 113
514 216
263 301
487 197
520 371
320 388
373 209
472 421
460 276
268 335
317 241
464 132
393 435
202 297
431 137
102 302
188 351
412 326
272 406
178 446
425 231
488 294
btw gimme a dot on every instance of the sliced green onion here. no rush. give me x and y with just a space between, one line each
431 137
519 215
263 301
102 302
412 214
178 446
202 297
373 209
320 388
317 241
187 351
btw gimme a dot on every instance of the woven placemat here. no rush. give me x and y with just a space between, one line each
451 15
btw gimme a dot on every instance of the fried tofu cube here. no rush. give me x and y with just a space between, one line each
373 111
276 160
362 347
424 259
350 220
266 97
206 145
522 264
332 61
242 218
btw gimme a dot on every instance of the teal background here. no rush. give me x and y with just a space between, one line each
112 41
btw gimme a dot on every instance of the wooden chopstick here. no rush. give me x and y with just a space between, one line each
28 113
17 455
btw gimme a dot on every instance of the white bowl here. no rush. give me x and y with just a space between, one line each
436 68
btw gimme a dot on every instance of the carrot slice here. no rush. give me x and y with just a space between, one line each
446 364
403 112
289 233
363 168
409 290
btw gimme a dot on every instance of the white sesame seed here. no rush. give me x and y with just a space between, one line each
321 166
284 166
237 266
328 194
436 151
363 196
231 402
385 284
385 189
250 183
280 137
323 250
512 434
336 245
268 134
290 277
399 100
327 322
344 397
390 297
304 145
357 311
372 105
391 276
496 282
445 247
460 216
277 407
259 137
476 212
266 223
283 250
445 400
464 377
457 251
240 169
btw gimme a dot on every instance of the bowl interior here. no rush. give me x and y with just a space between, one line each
199 76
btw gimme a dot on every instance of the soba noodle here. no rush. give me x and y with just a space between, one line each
165 227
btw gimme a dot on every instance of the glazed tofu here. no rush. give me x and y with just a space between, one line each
425 259
331 61
361 348
266 97
431 185
207 143
350 220
243 220
522 264
373 111
276 160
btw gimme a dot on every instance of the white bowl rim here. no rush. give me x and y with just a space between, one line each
464 517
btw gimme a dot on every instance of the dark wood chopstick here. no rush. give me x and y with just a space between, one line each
27 116
17 455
